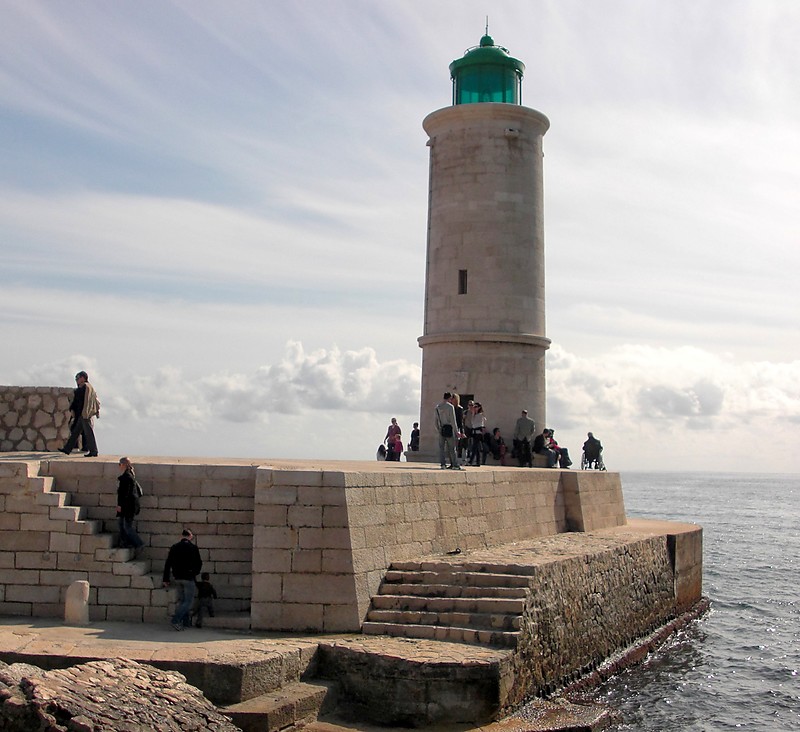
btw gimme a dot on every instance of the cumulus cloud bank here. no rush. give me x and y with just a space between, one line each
682 407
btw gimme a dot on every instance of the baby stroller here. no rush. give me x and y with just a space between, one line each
592 460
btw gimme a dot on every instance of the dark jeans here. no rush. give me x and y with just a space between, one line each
81 426
524 454
186 590
127 533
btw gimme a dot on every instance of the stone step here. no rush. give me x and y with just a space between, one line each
67 513
463 565
93 542
480 604
228 620
53 498
40 483
421 590
298 703
504 639
457 577
474 621
87 527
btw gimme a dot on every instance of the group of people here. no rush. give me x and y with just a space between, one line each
183 561
392 446
459 428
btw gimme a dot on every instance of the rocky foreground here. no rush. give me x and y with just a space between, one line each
116 694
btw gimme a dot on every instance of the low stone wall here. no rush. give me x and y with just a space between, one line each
324 539
303 549
44 547
33 418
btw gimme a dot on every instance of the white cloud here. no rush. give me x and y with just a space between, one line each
653 408
188 189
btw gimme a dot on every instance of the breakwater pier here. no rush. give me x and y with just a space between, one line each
422 596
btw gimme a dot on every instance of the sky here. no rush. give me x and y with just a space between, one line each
219 211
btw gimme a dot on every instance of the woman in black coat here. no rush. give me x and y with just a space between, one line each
127 499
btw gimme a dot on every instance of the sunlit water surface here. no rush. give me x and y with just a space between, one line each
739 666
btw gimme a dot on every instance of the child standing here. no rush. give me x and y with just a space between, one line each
206 594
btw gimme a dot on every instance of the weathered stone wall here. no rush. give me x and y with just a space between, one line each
33 418
300 549
44 546
324 539
584 608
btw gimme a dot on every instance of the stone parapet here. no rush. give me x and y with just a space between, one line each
33 418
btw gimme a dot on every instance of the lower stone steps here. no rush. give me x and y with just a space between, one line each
481 604
485 636
298 703
470 603
445 590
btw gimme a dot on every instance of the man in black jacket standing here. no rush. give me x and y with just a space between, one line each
184 564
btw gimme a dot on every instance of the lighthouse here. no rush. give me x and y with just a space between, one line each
484 323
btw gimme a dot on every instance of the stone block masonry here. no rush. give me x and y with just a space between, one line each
33 418
302 547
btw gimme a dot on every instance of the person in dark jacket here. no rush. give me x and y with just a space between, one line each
206 594
183 564
127 501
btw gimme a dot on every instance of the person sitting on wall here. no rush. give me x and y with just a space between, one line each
541 446
497 445
561 452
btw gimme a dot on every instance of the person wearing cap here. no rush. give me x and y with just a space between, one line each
182 566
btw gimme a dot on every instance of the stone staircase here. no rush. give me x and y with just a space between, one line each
293 706
450 602
59 543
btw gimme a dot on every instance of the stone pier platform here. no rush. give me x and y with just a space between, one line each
394 593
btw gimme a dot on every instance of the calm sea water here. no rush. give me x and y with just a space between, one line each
739 666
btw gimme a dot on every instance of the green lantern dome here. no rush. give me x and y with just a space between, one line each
486 73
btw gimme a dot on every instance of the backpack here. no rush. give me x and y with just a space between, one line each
137 494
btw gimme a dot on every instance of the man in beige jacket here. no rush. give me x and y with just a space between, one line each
85 405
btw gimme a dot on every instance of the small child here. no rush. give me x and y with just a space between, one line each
206 594
397 447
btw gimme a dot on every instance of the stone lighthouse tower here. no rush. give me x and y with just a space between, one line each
484 335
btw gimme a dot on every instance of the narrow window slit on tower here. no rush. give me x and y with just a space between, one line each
462 282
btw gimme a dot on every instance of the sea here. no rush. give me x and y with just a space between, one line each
737 667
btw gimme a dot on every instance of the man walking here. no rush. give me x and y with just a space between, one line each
184 564
84 406
447 427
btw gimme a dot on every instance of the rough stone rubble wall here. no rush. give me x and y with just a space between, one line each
586 607
33 418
